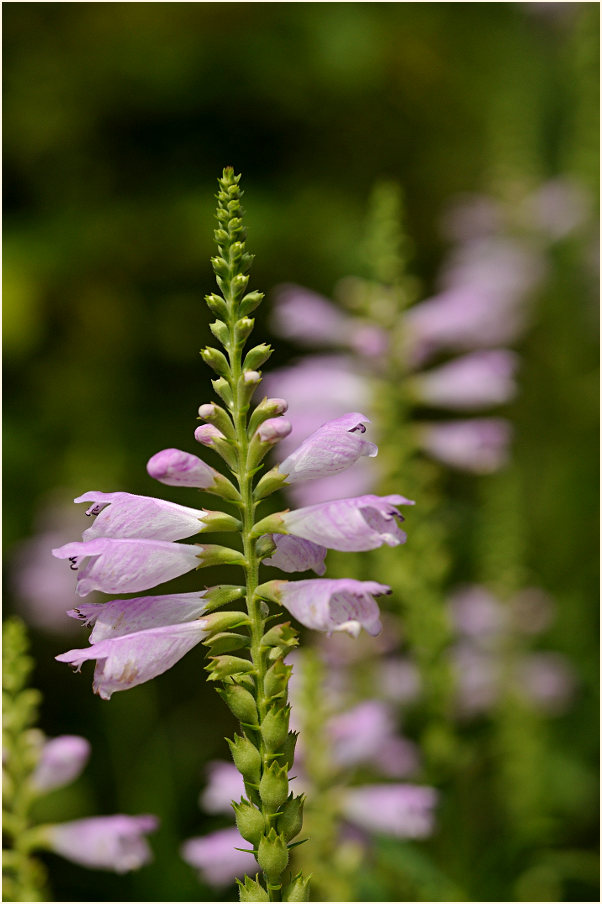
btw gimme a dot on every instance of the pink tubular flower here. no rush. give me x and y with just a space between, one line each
335 446
124 515
118 617
61 761
404 811
225 784
477 380
126 566
216 858
350 525
295 554
126 660
366 734
479 445
115 843
334 605
180 469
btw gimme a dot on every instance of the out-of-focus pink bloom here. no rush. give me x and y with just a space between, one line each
127 566
479 445
404 811
224 784
180 469
366 735
471 217
478 676
334 605
294 554
118 617
356 481
115 843
125 515
548 680
557 208
305 316
477 613
127 660
399 680
216 858
334 447
61 761
477 380
350 525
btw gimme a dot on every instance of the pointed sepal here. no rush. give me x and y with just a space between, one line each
247 758
252 890
220 667
249 821
297 889
273 787
272 855
240 703
290 821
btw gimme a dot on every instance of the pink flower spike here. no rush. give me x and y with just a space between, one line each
61 761
206 434
131 659
335 605
126 566
479 445
216 858
118 617
404 811
334 447
295 554
115 843
350 525
180 469
274 429
123 515
477 380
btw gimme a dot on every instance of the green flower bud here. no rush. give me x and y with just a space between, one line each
217 360
217 305
240 282
283 635
240 702
222 388
296 890
221 486
220 418
273 524
221 236
226 642
270 482
217 622
250 302
252 890
243 329
267 408
247 758
221 594
276 679
274 727
272 855
287 754
273 787
257 356
249 821
290 821
211 554
221 667
221 267
219 521
221 332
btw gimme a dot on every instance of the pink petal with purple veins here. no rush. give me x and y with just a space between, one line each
295 554
216 857
126 566
404 811
335 446
118 617
131 659
180 469
350 525
123 515
113 843
335 605
61 761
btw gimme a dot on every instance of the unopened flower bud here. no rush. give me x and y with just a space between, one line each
217 305
216 360
239 284
272 855
223 390
267 408
249 821
250 302
273 787
290 821
251 377
218 417
252 890
240 702
221 332
257 356
296 890
274 727
243 328
276 679
206 434
287 757
274 429
270 482
220 667
247 758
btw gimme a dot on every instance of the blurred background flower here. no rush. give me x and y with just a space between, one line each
118 118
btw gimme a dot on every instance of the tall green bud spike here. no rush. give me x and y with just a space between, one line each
254 689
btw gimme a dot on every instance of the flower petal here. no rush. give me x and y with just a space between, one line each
333 447
404 811
180 469
114 843
350 525
216 857
123 515
295 554
334 605
118 617
61 761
